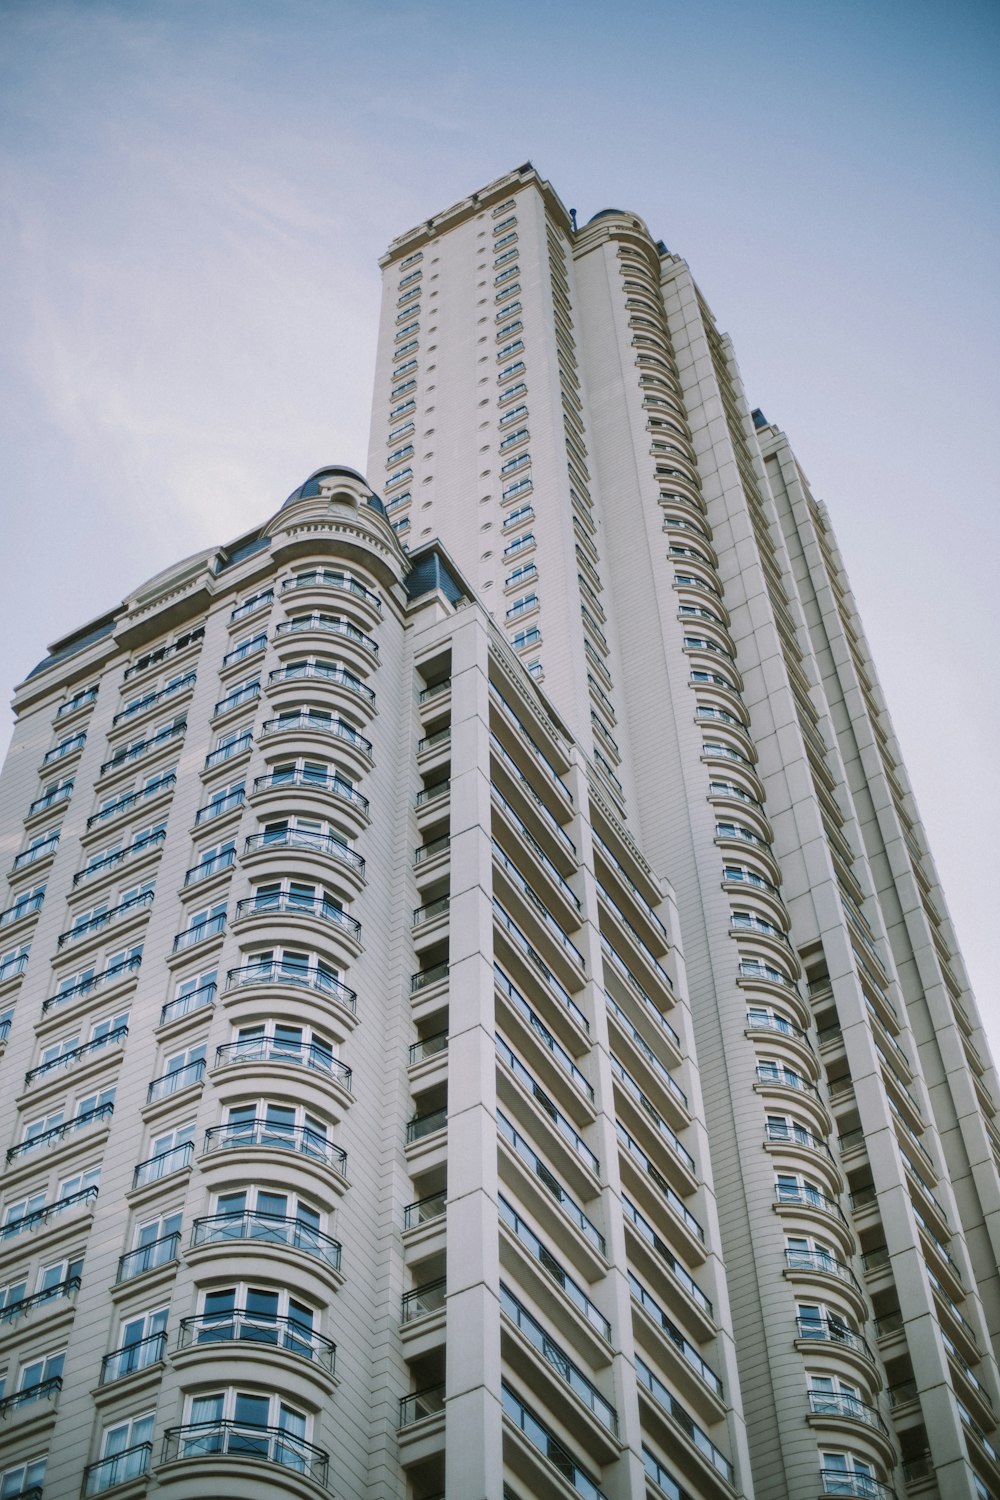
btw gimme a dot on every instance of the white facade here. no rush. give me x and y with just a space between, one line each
719 673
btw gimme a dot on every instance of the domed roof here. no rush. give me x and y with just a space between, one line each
311 486
608 213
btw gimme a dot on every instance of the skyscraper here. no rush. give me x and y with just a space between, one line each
478 1015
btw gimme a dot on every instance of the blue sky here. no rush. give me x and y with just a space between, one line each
198 192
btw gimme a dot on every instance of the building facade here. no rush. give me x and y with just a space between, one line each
558 402
478 1014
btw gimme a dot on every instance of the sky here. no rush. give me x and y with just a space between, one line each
197 192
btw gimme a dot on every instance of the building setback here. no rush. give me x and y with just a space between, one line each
478 1016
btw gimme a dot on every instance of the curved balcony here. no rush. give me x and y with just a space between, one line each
323 1084
818 1268
307 729
238 1326
327 583
261 1134
849 1408
295 1252
283 683
859 1485
313 850
836 1332
785 1043
258 990
296 913
202 1441
758 975
302 789
317 632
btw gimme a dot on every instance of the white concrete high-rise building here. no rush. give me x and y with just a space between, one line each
477 1014
558 404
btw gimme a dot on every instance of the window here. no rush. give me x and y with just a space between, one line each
398 477
845 1474
515 346
141 1343
10 1295
408 348
507 239
278 1041
512 326
517 368
400 390
519 487
38 1372
125 1450
521 575
401 411
504 259
409 280
519 461
58 1272
155 1243
511 392
522 606
21 1478
514 415
504 223
519 544
508 310
516 517
169 1152
413 327
509 291
525 638
411 260
258 1314
181 1070
234 1421
403 430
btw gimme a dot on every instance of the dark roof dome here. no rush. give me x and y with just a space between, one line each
311 486
608 213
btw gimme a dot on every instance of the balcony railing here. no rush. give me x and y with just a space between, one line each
149 658
272 1445
47 1211
38 851
265 1049
14 1310
425 1403
535 1164
429 1046
129 753
272 971
79 700
807 1196
51 799
157 1253
320 907
162 1165
199 931
853 1482
42 1390
840 1404
426 977
822 1261
323 578
306 838
227 750
121 804
240 1326
424 1300
424 1125
68 747
424 1209
319 724
100 920
130 1463
679 1414
328 627
173 1082
269 1135
673 1199
538 1026
132 1357
148 699
60 1132
555 1356
119 856
330 782
206 868
549 1446
833 1331
271 1229
22 908
185 1005
92 982
324 672
218 806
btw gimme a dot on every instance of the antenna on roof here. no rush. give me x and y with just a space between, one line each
572 215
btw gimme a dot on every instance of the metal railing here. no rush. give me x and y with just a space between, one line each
306 838
841 1404
424 1125
133 752
129 799
179 1078
209 927
322 724
147 1257
833 1331
272 1445
240 1326
162 1165
327 782
425 1209
130 1463
426 1403
59 1132
14 1310
321 907
66 1059
132 1357
324 672
271 1229
275 971
423 1300
329 627
266 1049
269 1135
100 920
185 1005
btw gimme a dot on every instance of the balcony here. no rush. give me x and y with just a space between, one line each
421 1404
167 1162
424 1300
318 908
840 1404
148 699
44 1390
50 799
204 870
316 723
263 1049
273 1445
324 578
119 856
820 1262
325 626
311 978
804 1195
66 748
263 1134
186 1005
172 1083
833 1331
108 1473
308 780
239 1326
39 1216
328 845
130 799
153 658
25 906
60 1132
14 1310
556 1357
228 750
850 1482
549 1446
149 1257
132 1357
681 1418
267 1229
129 753
537 1167
217 807
424 1125
199 932
44 849
324 672
97 923
85 986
